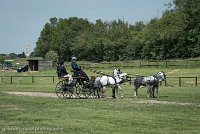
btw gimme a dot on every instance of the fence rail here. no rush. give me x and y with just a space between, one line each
195 80
141 64
32 78
179 80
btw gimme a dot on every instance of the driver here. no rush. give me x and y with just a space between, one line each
74 64
77 69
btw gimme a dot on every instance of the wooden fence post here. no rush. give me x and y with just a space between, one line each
32 79
53 79
196 81
179 81
11 79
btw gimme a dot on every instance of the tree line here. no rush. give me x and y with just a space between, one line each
175 35
3 57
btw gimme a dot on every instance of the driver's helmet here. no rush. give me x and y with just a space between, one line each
74 58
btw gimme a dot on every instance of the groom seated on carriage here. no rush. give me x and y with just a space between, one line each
77 70
61 70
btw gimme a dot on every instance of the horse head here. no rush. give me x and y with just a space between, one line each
123 76
116 72
161 76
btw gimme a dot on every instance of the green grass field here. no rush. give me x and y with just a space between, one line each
177 110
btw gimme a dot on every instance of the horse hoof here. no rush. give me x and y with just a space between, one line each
113 97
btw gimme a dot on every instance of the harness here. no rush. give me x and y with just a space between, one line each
108 82
114 80
99 84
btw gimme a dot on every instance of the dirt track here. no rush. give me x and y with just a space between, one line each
41 94
35 94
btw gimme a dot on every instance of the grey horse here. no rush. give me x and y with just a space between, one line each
151 82
103 82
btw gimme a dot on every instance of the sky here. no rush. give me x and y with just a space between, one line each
21 21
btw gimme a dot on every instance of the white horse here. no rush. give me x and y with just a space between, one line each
151 82
114 82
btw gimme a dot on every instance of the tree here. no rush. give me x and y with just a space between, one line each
13 55
2 58
22 55
51 55
175 35
190 38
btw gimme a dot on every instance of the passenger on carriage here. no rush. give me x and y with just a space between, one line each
61 70
77 69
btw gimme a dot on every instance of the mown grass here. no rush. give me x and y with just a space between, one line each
97 115
128 115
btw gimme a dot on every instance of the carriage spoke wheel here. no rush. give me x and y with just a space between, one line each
78 89
87 91
68 92
59 89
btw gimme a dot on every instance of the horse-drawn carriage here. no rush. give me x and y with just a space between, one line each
78 87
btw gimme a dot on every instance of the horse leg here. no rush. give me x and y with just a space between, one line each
136 90
157 91
148 91
153 90
121 90
113 92
98 92
102 92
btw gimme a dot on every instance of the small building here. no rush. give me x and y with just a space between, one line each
38 63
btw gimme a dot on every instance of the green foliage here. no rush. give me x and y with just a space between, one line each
2 58
51 55
175 35
13 56
22 55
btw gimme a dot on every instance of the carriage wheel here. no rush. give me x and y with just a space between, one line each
59 89
86 92
78 89
68 91
68 94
